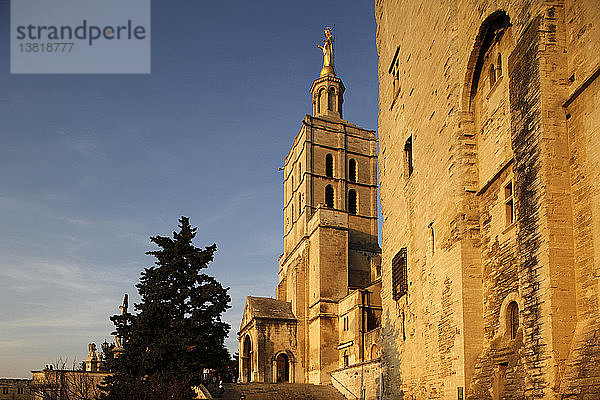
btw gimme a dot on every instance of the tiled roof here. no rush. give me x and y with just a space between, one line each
266 307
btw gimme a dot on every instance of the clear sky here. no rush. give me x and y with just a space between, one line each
91 166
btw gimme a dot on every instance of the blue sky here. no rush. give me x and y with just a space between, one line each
91 166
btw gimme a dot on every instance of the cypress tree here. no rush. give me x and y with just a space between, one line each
177 330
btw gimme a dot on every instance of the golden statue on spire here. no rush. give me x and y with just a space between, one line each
327 49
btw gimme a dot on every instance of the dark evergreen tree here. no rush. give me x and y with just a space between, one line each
177 331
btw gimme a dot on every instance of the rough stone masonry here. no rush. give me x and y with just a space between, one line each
489 164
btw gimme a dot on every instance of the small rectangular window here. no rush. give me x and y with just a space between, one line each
399 274
509 205
408 156
20 390
4 390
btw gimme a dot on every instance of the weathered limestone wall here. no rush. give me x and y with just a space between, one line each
276 337
508 118
366 375
422 332
583 122
269 337
328 283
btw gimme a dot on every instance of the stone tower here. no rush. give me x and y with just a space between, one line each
330 224
331 256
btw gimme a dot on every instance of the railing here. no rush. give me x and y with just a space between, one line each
342 385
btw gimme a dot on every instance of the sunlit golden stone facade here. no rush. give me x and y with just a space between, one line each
489 168
329 272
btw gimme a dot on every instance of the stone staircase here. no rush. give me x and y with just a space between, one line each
279 391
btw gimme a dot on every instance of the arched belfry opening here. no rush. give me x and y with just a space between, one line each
329 196
352 201
352 175
329 166
247 359
320 101
331 99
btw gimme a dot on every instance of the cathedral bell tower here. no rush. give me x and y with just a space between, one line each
331 256
327 90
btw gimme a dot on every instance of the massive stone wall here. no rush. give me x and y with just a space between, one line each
497 102
365 375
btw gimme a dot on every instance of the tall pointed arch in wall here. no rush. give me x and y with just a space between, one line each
491 27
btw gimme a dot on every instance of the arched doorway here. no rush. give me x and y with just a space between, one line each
246 372
282 363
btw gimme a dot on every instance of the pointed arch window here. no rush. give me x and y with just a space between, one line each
352 170
352 201
329 166
329 195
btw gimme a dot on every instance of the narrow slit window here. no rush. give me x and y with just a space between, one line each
431 239
329 166
352 201
499 66
509 204
352 170
396 75
408 156
403 326
329 196
513 319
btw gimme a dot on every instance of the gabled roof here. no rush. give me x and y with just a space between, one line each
266 307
